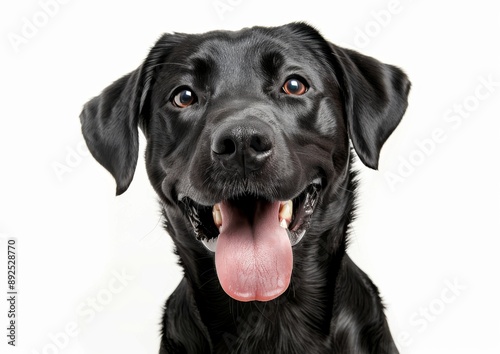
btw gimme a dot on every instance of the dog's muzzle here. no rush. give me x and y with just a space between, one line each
249 231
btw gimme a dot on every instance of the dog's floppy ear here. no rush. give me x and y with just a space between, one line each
109 126
110 121
375 96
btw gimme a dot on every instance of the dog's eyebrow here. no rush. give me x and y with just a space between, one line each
202 69
271 63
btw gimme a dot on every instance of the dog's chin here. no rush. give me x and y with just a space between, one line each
251 238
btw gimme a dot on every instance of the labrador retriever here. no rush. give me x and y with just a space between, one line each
248 147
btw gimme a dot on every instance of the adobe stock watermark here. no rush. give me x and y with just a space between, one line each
31 25
453 119
222 7
427 314
72 160
380 20
86 311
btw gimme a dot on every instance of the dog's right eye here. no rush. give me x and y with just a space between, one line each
295 86
183 98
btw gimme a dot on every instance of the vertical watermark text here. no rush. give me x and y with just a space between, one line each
12 292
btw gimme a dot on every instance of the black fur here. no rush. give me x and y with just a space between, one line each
331 306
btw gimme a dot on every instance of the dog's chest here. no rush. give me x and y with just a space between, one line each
266 332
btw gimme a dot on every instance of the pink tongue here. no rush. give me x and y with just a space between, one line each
254 255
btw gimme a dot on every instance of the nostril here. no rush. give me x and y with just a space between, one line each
228 147
224 147
260 144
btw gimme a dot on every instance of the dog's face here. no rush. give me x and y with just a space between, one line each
247 142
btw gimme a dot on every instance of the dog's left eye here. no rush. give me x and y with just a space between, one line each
295 87
184 98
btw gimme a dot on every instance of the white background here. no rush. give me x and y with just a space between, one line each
429 239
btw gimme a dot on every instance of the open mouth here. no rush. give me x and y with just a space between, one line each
293 215
252 240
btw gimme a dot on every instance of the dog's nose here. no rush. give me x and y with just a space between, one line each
242 147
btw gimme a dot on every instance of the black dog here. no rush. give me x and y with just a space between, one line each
248 148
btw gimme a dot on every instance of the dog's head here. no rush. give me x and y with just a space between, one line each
247 138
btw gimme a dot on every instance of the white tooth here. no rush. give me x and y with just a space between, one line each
286 210
211 244
317 181
217 215
283 224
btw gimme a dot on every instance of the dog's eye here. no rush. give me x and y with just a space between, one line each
184 98
295 87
